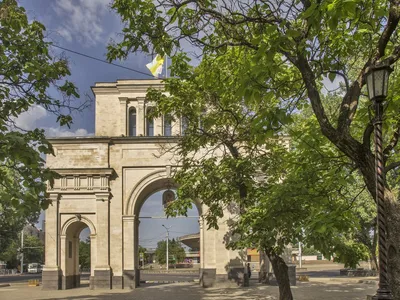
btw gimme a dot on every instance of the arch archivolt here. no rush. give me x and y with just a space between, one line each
133 202
78 218
147 185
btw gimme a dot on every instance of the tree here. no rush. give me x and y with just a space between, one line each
9 254
229 159
176 252
84 254
33 249
292 47
28 72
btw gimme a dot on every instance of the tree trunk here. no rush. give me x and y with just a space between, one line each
282 276
393 238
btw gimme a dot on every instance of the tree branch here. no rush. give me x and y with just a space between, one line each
392 166
393 142
393 21
367 135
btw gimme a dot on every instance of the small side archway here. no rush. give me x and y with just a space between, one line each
70 232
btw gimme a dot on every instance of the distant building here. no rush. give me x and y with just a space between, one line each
30 230
193 242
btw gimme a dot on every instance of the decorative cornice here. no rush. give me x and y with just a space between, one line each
85 171
127 86
103 197
115 140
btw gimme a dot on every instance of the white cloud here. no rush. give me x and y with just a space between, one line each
30 118
61 132
83 20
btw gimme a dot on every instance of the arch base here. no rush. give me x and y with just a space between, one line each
51 279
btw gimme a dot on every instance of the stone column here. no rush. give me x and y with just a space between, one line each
158 126
77 275
51 276
102 270
63 261
136 249
124 115
93 258
128 238
140 115
208 271
176 126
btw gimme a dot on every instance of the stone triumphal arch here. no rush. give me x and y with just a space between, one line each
104 180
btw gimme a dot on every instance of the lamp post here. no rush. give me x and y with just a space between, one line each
377 85
167 242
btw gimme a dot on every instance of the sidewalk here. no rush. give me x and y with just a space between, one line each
183 291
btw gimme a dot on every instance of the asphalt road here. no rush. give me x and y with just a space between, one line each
144 277
19 278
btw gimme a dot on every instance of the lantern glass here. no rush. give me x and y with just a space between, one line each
377 82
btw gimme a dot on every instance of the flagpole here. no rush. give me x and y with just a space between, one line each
166 66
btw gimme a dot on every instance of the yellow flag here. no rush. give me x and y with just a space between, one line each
156 65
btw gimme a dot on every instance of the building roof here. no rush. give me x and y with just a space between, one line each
191 240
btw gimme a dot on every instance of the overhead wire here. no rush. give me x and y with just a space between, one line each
101 60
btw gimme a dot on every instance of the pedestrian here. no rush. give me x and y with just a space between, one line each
248 270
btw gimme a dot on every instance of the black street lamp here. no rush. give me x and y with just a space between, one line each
377 85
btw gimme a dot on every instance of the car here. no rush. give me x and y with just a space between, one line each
35 268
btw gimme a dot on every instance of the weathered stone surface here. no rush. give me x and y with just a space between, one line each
208 277
104 180
51 280
102 279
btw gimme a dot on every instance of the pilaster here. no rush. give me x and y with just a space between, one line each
141 119
51 276
123 101
130 225
102 270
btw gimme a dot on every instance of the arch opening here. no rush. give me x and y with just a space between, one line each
132 121
153 227
77 253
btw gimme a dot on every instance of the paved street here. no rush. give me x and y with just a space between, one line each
192 291
172 277
19 278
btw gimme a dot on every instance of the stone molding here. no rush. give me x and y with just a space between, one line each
82 181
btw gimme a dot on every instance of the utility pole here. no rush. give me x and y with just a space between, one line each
300 255
167 244
22 251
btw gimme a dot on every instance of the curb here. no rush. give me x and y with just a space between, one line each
169 281
368 281
16 284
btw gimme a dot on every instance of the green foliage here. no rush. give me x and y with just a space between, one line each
33 250
176 252
309 251
27 73
84 254
9 253
263 68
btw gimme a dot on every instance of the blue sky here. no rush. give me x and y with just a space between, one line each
87 26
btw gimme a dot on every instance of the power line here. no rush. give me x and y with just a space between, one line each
101 60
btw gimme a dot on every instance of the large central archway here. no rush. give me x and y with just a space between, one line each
154 182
